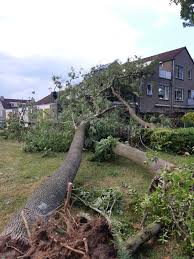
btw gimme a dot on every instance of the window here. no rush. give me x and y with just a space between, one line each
149 89
179 72
189 94
189 74
163 92
13 105
178 94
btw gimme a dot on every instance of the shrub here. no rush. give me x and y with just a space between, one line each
172 205
15 129
101 128
103 149
170 140
188 119
48 136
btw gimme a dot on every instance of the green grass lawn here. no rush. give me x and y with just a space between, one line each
21 173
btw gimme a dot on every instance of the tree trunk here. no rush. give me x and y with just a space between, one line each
140 158
143 236
132 112
51 193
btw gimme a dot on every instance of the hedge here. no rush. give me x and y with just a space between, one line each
171 140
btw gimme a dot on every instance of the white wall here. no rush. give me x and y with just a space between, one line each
2 112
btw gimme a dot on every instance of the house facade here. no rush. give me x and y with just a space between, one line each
9 107
171 87
47 106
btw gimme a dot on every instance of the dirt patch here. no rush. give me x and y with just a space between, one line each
64 236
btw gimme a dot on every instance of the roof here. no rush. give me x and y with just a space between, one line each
46 100
7 102
168 55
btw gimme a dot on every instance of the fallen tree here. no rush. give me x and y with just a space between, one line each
132 112
141 158
50 194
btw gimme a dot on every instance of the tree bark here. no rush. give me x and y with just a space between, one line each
51 193
143 236
132 112
140 158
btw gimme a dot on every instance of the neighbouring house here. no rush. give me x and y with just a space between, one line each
47 106
171 87
9 107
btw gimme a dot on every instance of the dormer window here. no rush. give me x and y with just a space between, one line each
189 74
179 72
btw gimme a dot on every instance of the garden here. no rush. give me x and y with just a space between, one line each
98 181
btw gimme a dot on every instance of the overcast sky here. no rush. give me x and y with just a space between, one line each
39 38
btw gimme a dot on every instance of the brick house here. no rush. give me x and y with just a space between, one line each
171 87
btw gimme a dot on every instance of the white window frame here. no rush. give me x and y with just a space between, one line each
182 94
149 92
179 72
189 74
166 92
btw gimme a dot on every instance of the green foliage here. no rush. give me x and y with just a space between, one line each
110 203
161 120
165 121
172 204
92 94
15 128
46 136
171 140
103 149
188 119
134 133
104 200
187 11
3 134
100 128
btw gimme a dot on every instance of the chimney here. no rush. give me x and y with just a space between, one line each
1 98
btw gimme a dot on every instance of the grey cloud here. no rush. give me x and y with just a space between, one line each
19 76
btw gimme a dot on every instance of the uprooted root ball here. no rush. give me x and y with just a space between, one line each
64 237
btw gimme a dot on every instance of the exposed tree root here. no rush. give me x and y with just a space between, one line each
81 238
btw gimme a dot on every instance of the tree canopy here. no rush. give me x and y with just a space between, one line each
187 11
93 93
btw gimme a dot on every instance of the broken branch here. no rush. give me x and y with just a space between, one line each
143 236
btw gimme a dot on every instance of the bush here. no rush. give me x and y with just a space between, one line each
188 119
101 128
15 129
103 149
48 136
171 140
172 205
